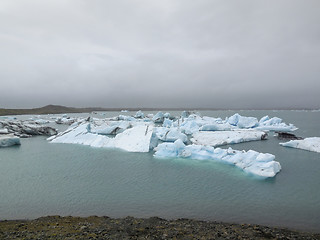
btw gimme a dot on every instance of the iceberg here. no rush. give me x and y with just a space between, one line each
135 139
9 140
242 122
274 124
158 118
189 127
126 118
110 128
167 123
41 121
139 114
215 127
259 164
170 134
65 120
219 138
167 115
3 131
309 144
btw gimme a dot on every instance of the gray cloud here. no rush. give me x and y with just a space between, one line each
181 53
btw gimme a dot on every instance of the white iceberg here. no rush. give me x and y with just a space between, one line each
189 126
158 118
274 124
170 134
309 144
135 139
126 118
110 127
216 127
4 131
139 114
219 138
259 164
65 120
167 115
41 121
167 123
9 140
242 122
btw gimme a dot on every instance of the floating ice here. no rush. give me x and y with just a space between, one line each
242 122
219 138
170 134
259 164
3 131
139 114
9 140
309 144
167 123
126 118
41 121
274 124
135 139
111 127
167 115
216 127
65 120
158 118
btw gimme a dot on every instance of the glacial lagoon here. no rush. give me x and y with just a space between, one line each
40 178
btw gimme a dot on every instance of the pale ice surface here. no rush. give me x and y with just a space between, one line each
219 138
309 144
259 164
3 131
135 139
158 118
9 140
195 123
170 134
275 124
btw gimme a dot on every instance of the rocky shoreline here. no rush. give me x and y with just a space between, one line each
56 227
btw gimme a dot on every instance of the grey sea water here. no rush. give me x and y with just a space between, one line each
39 178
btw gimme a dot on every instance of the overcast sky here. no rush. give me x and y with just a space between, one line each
164 53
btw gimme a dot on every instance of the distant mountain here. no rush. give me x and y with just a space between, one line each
50 109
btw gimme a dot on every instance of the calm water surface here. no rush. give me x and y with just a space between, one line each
39 178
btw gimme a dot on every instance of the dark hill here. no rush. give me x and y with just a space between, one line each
50 109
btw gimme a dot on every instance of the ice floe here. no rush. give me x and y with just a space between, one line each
9 140
65 120
275 124
259 164
26 128
219 138
309 144
135 139
170 134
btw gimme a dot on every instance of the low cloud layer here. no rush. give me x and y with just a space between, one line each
181 53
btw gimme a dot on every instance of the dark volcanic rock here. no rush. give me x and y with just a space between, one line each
287 136
56 227
27 128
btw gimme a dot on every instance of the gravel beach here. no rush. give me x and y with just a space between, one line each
56 227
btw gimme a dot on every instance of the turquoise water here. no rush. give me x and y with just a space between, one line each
39 178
